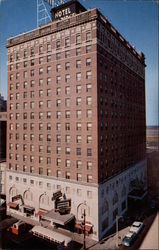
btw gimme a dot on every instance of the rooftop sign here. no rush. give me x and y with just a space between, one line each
66 10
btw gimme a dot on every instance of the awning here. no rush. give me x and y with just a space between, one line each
88 227
41 212
48 234
29 208
56 217
13 205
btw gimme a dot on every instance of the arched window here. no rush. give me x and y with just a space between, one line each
28 195
123 193
44 199
115 198
105 207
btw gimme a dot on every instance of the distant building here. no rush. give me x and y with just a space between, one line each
76 119
3 137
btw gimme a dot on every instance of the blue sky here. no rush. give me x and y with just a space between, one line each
136 20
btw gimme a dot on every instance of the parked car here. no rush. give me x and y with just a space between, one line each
128 239
136 227
18 227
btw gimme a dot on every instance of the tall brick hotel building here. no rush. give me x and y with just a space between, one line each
76 119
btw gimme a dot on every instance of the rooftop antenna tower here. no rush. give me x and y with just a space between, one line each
43 15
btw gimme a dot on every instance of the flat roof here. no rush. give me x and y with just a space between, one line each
56 217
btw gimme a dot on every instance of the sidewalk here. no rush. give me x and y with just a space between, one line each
110 243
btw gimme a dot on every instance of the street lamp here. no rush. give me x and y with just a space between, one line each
84 229
117 230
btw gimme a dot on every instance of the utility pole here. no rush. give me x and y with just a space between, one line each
117 230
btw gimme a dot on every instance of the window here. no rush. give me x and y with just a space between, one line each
68 177
67 102
32 62
68 163
78 114
67 126
67 42
40 93
89 138
48 137
58 44
58 79
40 137
48 47
48 69
48 81
25 74
40 159
41 59
32 149
78 64
17 75
78 164
88 74
40 49
67 114
89 100
88 62
49 58
32 83
58 114
40 82
58 150
78 76
67 54
58 103
67 138
48 160
48 92
89 152
48 172
88 36
40 126
40 171
88 48
25 64
48 126
40 71
89 113
78 138
67 66
89 126
78 126
48 104
32 104
58 173
79 192
58 56
58 67
58 126
78 51
79 177
67 151
40 104
49 115
89 178
78 151
58 162
58 138
40 115
78 101
89 165
89 194
58 91
31 158
48 149
67 78
67 90
17 56
78 39
11 58
78 89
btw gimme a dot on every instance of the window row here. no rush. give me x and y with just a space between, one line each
49 49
